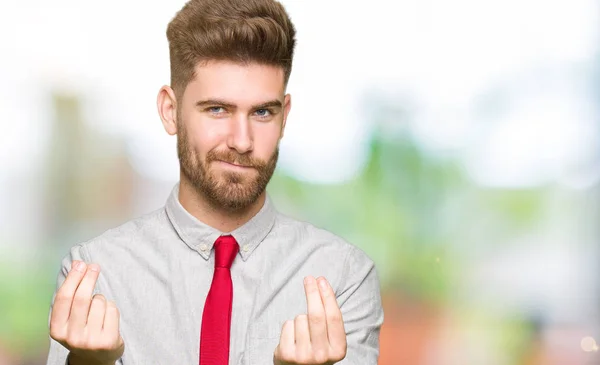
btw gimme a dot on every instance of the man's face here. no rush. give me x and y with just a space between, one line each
229 123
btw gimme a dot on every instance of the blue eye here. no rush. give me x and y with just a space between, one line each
215 109
263 113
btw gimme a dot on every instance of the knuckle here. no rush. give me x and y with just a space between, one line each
76 341
282 352
94 346
53 324
92 342
57 334
102 344
62 297
111 306
303 358
80 300
99 297
335 318
321 356
288 358
312 289
321 359
113 339
301 317
316 318
338 355
96 316
287 354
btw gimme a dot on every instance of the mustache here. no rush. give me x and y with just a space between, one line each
234 158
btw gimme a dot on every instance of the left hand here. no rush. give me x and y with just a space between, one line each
316 338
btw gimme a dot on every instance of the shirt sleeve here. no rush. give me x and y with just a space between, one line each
359 297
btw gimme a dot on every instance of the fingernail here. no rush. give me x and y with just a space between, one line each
80 266
309 280
94 267
323 284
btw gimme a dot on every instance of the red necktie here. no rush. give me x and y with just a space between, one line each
216 319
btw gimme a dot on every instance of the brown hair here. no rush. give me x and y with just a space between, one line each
234 30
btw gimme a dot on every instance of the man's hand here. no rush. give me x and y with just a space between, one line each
88 327
318 338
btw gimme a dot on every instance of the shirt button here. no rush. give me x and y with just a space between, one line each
246 248
203 247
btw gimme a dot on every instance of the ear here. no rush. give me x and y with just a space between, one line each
287 105
167 109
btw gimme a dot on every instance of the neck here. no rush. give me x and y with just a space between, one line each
221 219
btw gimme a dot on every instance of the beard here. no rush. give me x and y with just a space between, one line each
228 190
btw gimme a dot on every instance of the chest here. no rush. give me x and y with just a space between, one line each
161 308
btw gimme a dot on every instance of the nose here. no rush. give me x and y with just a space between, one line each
240 135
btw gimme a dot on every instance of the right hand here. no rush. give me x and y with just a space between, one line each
88 327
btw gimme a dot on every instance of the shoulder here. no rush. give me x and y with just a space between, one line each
123 235
308 234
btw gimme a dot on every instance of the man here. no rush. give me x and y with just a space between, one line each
218 276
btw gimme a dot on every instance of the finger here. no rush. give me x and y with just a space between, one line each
286 348
335 323
83 297
302 335
112 320
95 319
64 295
316 315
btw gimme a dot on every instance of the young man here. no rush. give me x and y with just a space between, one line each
218 276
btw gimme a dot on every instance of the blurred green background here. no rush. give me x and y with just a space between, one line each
458 147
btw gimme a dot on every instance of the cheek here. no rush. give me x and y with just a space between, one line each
265 142
202 138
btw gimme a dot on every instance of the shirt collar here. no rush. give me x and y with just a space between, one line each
201 237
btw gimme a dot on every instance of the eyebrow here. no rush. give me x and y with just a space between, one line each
217 102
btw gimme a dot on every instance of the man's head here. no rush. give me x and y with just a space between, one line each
230 64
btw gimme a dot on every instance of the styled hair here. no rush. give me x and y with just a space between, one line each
241 31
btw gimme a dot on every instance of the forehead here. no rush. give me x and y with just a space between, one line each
238 83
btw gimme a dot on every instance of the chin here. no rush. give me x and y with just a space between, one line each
236 202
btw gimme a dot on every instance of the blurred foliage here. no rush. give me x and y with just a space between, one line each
25 290
407 210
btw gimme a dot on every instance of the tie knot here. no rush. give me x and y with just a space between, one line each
226 247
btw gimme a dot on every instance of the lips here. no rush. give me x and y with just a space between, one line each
234 164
